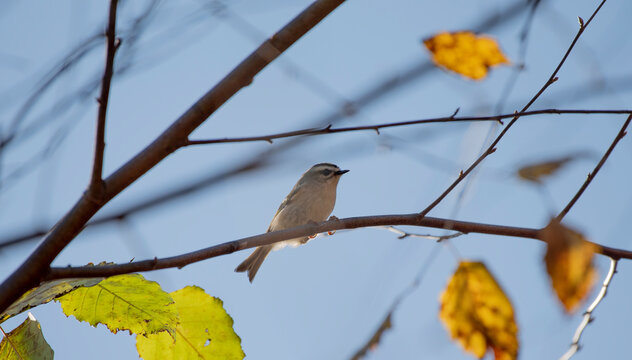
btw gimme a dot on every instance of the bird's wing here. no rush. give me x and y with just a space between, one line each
288 200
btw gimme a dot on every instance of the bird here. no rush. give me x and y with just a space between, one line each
311 200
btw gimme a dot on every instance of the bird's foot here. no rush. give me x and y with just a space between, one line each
332 217
312 222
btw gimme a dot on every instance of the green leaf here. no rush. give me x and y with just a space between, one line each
124 302
205 331
26 342
44 293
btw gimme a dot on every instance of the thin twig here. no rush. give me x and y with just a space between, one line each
146 204
404 234
329 130
96 181
406 292
492 147
375 339
592 174
19 134
230 247
587 315
522 52
387 322
48 80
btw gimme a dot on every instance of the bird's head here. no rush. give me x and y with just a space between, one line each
323 173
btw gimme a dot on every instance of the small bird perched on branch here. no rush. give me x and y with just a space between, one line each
311 200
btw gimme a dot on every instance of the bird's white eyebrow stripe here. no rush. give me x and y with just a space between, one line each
325 165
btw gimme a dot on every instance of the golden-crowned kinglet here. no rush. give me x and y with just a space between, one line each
311 200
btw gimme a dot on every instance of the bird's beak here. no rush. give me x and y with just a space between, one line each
340 172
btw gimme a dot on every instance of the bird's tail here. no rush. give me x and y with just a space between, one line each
254 261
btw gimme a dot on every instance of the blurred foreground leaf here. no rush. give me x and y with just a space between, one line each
569 264
124 302
44 293
535 172
478 314
465 53
26 342
205 331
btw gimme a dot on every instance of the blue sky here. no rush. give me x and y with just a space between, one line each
325 299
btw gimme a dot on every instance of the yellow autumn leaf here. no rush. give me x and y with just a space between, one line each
477 313
123 302
44 293
569 263
205 331
465 53
535 172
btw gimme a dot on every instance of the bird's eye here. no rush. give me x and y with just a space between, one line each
326 172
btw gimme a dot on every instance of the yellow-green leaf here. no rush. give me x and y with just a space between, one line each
124 302
205 331
465 53
26 342
569 264
478 314
44 293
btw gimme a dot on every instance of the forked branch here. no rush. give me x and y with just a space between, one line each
112 43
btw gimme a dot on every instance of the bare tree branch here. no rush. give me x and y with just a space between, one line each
230 247
149 203
96 181
588 314
20 130
386 323
69 61
376 128
299 231
405 234
592 174
373 342
492 148
37 264
518 68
